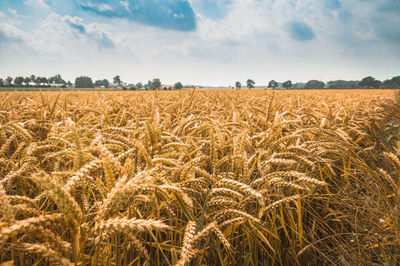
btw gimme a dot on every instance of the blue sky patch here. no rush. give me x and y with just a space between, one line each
333 4
390 6
300 31
167 14
213 9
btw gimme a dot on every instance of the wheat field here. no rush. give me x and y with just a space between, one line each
199 177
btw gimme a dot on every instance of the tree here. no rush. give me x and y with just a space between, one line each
98 83
238 85
393 83
83 82
27 80
1 82
9 80
287 84
52 81
18 81
117 80
149 85
178 86
102 83
342 84
315 85
272 84
69 83
44 81
106 83
370 82
56 79
33 78
37 81
139 85
156 84
250 83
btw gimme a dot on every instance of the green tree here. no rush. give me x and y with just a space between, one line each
44 81
98 83
117 80
178 86
250 83
18 81
37 81
102 83
27 80
69 83
52 81
83 82
272 84
9 81
1 82
342 84
106 83
370 82
56 79
33 78
287 84
149 85
315 85
238 85
139 85
393 83
156 84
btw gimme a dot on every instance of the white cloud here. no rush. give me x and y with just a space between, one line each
11 31
100 7
92 31
125 4
13 12
2 15
40 3
61 40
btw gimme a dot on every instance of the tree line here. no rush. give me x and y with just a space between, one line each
366 83
87 82
34 81
82 82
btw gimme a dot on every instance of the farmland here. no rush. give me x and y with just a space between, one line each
200 177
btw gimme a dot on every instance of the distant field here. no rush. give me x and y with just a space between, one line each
200 177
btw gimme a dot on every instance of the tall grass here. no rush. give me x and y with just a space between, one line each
199 177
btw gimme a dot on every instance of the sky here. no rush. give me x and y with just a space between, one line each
204 42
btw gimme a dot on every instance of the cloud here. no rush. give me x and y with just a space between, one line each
10 33
91 31
300 31
4 38
40 3
13 12
167 14
125 4
75 23
99 7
